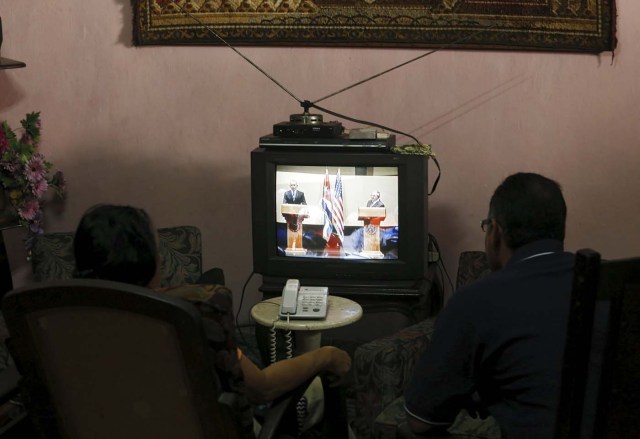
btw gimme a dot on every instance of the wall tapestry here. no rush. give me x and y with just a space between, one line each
562 25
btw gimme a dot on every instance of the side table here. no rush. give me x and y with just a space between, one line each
340 312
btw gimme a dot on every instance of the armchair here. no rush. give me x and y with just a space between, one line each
600 385
52 258
103 359
181 267
180 253
383 367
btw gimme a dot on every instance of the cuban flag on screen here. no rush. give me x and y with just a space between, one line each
338 208
327 207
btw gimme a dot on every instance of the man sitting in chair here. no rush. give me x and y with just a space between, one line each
118 243
498 344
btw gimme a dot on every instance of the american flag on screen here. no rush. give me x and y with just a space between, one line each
327 207
338 208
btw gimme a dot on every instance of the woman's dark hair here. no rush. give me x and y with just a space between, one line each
116 243
529 207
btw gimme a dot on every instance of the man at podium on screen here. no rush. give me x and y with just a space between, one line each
293 195
294 213
375 200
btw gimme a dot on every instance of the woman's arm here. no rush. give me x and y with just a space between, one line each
264 385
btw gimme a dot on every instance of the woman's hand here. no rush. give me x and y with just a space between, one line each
338 364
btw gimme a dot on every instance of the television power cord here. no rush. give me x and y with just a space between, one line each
237 324
306 105
443 269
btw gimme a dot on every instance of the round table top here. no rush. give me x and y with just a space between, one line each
340 312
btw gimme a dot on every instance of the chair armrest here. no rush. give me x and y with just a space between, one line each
382 369
213 276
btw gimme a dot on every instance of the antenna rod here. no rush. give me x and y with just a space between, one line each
376 75
431 52
308 104
215 34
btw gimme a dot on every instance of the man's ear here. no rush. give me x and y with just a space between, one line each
496 236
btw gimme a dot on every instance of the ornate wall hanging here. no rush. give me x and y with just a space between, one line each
561 25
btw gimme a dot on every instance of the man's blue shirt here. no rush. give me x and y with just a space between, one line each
502 339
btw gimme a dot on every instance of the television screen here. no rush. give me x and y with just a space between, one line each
339 216
347 212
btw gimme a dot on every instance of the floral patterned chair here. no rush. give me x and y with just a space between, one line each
180 252
383 367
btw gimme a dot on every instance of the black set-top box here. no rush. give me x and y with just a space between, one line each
306 130
341 141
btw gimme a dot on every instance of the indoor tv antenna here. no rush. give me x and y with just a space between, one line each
315 120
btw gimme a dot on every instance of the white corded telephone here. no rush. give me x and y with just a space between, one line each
303 302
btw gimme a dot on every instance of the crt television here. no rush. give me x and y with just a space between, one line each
340 235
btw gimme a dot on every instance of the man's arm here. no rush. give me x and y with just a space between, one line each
285 375
422 427
443 379
418 426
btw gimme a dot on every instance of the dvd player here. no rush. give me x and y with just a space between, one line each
306 130
342 141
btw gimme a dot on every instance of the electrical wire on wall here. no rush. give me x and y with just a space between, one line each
441 267
237 324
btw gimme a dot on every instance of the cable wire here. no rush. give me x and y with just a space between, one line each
272 343
364 122
247 59
244 287
424 55
441 260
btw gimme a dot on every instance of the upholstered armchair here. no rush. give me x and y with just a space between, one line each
52 259
383 367
113 360
180 253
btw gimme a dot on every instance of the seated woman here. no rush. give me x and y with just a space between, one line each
118 243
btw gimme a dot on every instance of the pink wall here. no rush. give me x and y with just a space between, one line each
170 129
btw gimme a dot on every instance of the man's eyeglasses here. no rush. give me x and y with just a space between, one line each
484 223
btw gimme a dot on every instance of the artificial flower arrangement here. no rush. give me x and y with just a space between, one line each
25 175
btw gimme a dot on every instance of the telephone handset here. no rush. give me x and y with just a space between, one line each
290 297
303 302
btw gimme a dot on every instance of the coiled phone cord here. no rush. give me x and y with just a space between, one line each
288 339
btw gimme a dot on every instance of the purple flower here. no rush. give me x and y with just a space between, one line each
39 188
26 174
36 228
10 166
35 169
29 209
